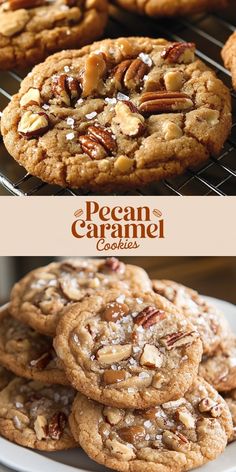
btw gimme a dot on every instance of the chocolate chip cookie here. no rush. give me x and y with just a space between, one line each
35 415
171 7
220 369
28 353
117 113
30 30
127 349
206 318
40 297
175 436
229 56
230 399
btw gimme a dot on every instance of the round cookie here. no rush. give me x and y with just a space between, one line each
118 113
40 297
220 369
229 56
28 353
5 377
168 8
128 349
35 415
30 30
206 318
230 399
176 436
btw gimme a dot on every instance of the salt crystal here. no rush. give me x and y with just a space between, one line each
70 136
19 405
147 437
92 115
70 121
136 349
147 424
144 375
122 96
66 69
131 390
80 101
111 101
145 58
76 338
120 299
45 106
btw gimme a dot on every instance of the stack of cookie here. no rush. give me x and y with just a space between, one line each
105 358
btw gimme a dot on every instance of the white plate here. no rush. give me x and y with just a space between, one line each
25 460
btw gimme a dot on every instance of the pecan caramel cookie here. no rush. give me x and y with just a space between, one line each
35 415
229 56
118 113
175 436
30 30
40 297
220 369
168 8
128 349
230 399
28 353
206 318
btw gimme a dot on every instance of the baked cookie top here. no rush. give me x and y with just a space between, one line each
220 369
229 56
28 353
230 399
119 112
35 415
32 29
205 317
128 349
177 435
171 7
40 297
5 377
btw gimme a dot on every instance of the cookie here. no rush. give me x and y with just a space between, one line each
230 399
117 114
30 30
168 8
220 369
40 297
176 436
28 353
229 56
206 318
5 377
128 349
35 415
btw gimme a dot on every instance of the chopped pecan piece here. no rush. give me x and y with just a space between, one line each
42 361
113 415
66 88
149 316
57 425
179 52
162 102
32 97
151 357
175 441
129 119
113 353
33 125
130 73
95 68
98 143
178 339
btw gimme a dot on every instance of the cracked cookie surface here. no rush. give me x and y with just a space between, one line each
28 353
230 399
177 435
117 113
30 30
35 415
41 296
128 349
229 56
171 7
206 318
220 369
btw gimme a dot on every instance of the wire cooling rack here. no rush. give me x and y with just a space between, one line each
216 176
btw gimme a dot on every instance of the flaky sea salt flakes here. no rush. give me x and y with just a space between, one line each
76 339
121 96
19 405
111 101
147 437
92 115
45 106
120 299
131 390
136 349
145 58
70 136
70 121
147 424
80 101
17 422
92 358
66 69
143 375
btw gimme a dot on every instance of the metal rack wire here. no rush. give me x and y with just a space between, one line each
216 176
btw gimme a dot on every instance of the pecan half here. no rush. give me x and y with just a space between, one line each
130 73
42 361
57 425
33 125
128 118
66 88
162 102
178 339
17 4
98 143
178 52
149 316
